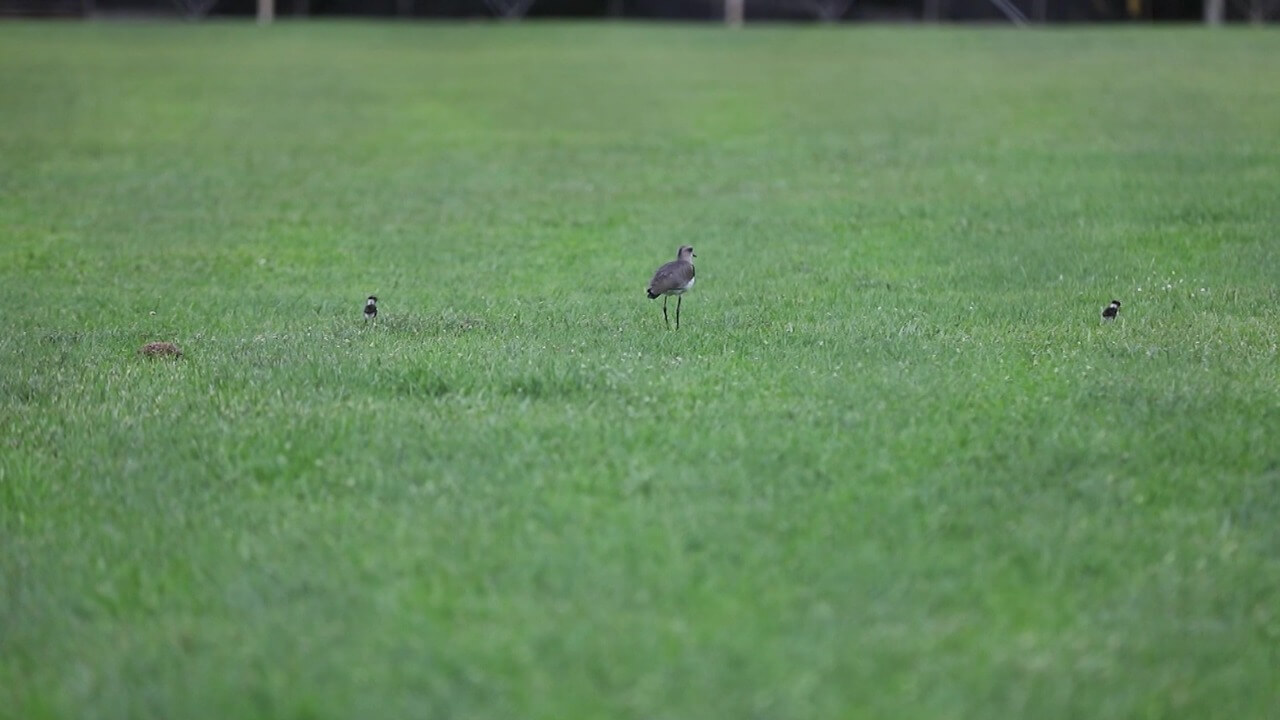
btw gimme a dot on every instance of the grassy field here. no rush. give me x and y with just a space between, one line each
891 466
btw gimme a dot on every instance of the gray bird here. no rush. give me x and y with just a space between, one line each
674 278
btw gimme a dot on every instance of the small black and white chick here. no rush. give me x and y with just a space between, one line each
371 308
1109 312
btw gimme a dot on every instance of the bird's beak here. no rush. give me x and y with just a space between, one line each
694 254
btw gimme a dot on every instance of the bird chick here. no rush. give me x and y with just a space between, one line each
1109 312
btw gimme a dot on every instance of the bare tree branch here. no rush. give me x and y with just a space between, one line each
831 10
509 9
824 10
1255 10
195 9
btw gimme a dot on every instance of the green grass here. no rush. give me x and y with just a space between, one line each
892 465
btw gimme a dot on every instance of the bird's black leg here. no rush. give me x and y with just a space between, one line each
664 311
679 299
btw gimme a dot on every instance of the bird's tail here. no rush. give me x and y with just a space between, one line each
652 295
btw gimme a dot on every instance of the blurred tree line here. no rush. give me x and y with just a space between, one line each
708 10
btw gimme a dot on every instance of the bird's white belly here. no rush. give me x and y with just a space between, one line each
682 290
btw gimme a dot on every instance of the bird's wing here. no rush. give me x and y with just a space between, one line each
673 275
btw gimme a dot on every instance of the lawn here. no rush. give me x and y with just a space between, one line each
893 465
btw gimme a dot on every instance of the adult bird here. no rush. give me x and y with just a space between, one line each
674 278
